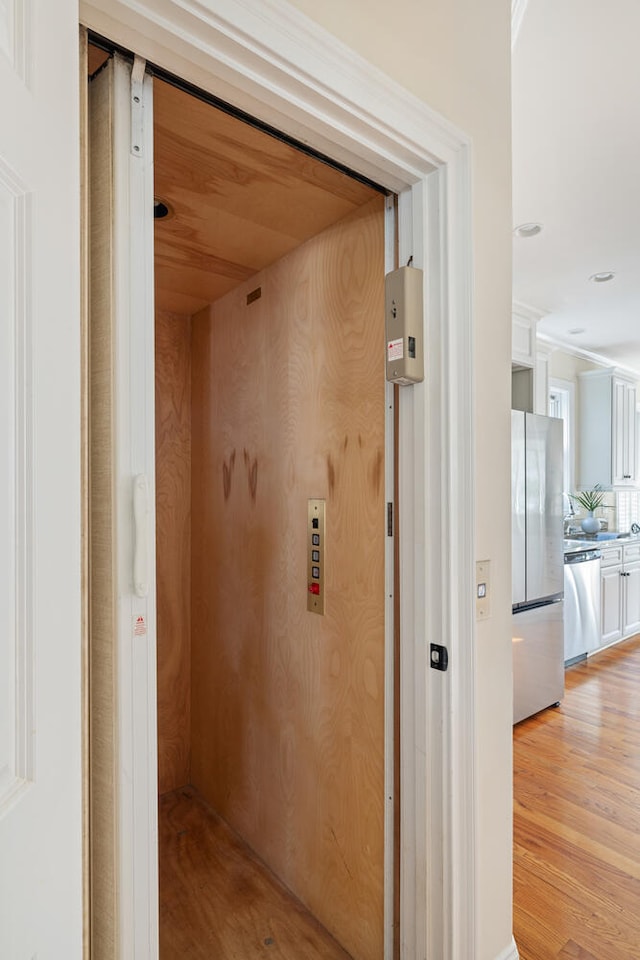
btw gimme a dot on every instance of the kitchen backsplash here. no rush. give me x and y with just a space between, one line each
618 511
608 511
628 509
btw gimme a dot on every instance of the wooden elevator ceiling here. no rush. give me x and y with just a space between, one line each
240 199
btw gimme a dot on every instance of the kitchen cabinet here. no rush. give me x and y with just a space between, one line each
607 430
530 363
620 591
631 590
523 336
624 432
611 595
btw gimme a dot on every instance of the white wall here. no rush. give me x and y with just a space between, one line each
455 55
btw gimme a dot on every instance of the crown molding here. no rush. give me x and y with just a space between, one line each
526 312
557 344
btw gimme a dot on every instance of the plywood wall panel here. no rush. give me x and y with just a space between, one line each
173 543
288 706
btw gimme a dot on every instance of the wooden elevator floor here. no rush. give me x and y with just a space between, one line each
218 901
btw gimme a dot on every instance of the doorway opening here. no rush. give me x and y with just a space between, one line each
269 269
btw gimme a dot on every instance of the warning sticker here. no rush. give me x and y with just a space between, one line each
140 626
395 349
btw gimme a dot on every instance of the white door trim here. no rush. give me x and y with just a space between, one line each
268 59
390 263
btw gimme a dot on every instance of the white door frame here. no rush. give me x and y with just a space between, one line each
305 82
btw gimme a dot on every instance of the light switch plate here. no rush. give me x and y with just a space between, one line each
483 591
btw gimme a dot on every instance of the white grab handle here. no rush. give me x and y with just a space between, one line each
141 535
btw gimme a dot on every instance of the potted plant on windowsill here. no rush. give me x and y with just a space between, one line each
589 500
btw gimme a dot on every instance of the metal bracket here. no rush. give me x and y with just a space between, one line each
137 106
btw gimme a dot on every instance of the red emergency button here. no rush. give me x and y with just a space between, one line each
314 588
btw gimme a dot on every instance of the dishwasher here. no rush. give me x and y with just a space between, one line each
582 628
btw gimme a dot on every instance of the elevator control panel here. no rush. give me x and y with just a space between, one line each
404 322
315 556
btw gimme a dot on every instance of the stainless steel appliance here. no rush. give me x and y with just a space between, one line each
537 563
582 628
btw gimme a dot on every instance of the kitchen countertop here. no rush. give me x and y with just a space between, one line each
596 541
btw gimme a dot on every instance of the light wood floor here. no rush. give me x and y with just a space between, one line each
577 816
219 902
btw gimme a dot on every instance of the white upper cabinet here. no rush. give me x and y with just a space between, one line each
624 432
530 362
607 430
523 340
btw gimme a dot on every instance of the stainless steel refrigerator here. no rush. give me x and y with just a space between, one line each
537 562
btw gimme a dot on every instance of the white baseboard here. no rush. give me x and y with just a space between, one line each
510 952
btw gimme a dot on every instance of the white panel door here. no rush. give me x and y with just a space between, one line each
40 560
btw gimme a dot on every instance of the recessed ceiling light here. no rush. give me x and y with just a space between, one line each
603 277
161 210
526 230
575 330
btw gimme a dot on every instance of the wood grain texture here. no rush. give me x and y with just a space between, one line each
173 547
102 537
288 707
577 819
240 199
217 900
95 59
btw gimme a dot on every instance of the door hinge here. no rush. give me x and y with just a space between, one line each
137 106
389 519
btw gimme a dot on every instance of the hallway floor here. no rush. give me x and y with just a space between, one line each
218 901
577 816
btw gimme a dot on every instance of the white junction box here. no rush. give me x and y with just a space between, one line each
403 324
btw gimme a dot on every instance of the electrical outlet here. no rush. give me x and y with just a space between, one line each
483 607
